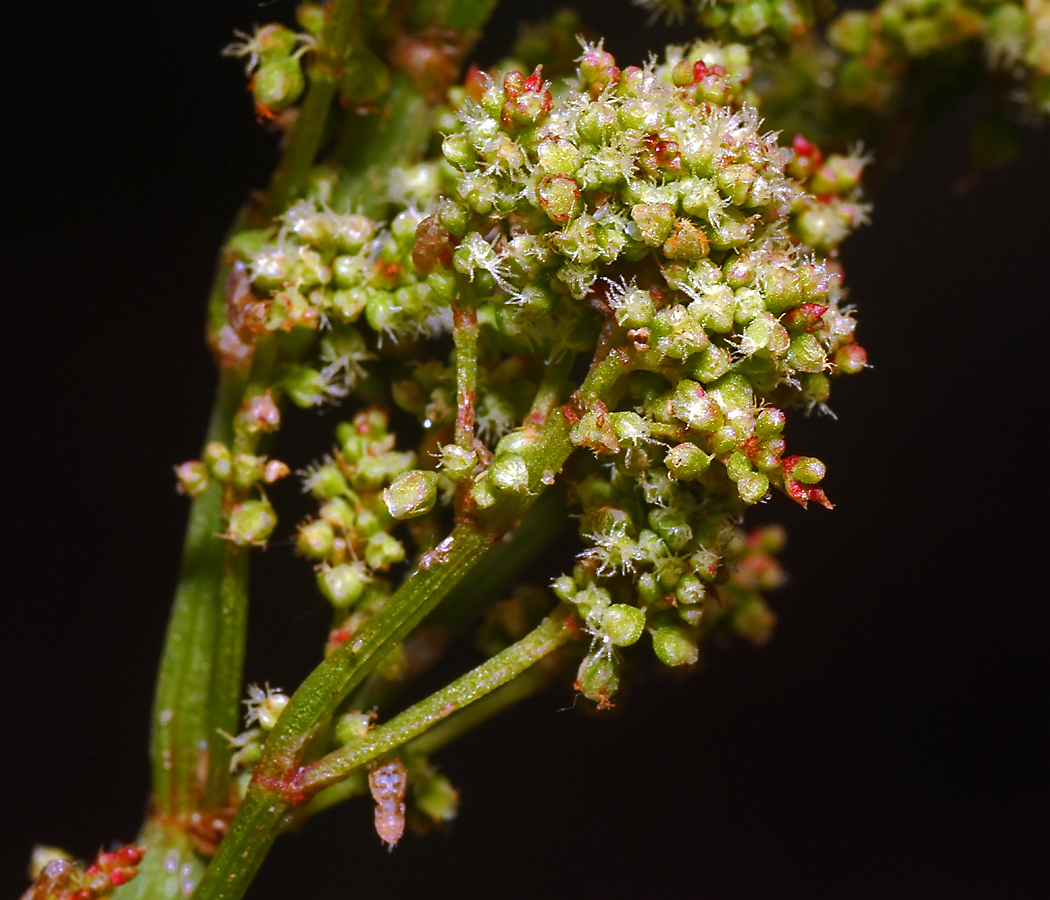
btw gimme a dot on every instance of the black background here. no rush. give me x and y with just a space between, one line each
890 742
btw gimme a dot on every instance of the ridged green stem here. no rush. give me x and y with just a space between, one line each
197 639
274 788
550 634
438 736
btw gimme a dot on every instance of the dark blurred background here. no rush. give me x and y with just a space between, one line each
891 740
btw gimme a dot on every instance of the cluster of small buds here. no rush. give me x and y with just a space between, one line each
364 489
877 45
642 200
787 19
223 466
690 573
640 209
325 268
252 520
59 878
273 53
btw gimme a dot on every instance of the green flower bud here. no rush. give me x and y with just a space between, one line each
383 550
752 487
765 336
558 157
310 17
457 463
654 222
598 678
686 242
839 175
677 334
352 725
412 494
341 514
307 387
805 353
816 387
633 308
483 493
851 32
278 83
251 523
365 78
807 469
694 406
559 197
749 305
674 647
737 466
770 422
342 585
315 539
597 123
437 799
733 391
754 620
564 588
686 461
510 473
716 310
735 181
193 477
623 624
711 364
726 439
768 454
691 590
851 359
247 469
326 482
750 17
219 461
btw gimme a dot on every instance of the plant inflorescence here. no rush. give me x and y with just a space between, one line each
561 290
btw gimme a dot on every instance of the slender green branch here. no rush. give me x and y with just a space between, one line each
263 812
438 736
550 634
465 336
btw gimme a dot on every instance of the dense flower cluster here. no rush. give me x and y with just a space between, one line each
639 212
648 200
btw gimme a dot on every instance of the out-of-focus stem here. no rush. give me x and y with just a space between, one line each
328 59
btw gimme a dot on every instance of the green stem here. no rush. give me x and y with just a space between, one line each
550 634
277 784
465 337
328 59
181 720
264 810
438 736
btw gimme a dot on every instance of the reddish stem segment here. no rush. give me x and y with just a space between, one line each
465 337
